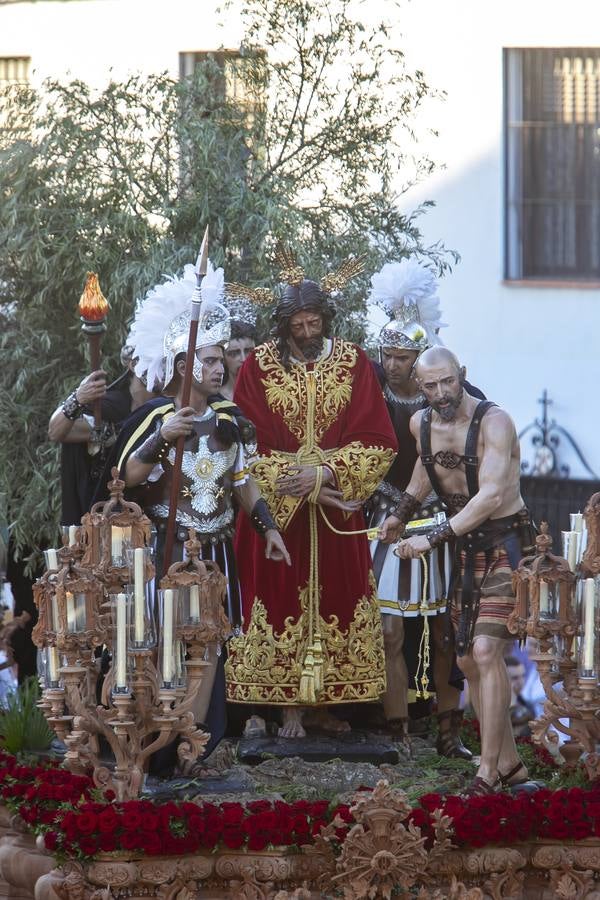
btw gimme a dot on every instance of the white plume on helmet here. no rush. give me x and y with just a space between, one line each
406 291
162 322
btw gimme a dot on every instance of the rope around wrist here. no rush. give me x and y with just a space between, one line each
72 409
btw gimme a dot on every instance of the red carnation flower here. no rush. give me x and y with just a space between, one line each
86 823
51 840
107 843
88 845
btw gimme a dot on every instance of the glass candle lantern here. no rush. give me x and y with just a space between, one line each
190 604
120 605
51 560
76 613
142 634
169 606
587 656
70 534
120 543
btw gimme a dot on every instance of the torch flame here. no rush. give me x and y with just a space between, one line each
93 305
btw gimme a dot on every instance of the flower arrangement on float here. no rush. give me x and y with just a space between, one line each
78 821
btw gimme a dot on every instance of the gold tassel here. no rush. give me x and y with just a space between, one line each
317 649
422 683
425 649
307 679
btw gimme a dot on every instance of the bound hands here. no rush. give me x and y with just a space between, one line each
181 423
329 496
93 387
413 547
275 549
390 530
300 480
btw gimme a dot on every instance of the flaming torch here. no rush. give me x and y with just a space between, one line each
93 307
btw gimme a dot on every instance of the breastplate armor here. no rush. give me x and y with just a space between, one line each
205 501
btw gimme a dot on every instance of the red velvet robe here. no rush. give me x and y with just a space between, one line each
312 631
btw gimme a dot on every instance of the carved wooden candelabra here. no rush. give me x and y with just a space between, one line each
101 594
558 606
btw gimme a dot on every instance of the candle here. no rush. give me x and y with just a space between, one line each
195 603
589 590
576 522
52 560
116 544
55 619
121 666
544 599
167 636
139 594
53 665
71 621
80 613
72 535
570 545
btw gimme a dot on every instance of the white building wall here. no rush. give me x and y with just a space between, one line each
514 340
96 39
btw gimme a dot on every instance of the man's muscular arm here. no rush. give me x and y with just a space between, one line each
498 433
419 487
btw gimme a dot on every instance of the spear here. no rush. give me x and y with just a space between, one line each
93 307
201 268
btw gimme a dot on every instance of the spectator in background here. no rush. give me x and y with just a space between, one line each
521 711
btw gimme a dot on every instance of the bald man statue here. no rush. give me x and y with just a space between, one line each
469 455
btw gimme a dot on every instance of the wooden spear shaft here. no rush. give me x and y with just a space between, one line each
185 401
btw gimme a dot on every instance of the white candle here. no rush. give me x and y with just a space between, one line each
53 665
80 613
167 636
139 594
570 544
52 557
121 661
576 522
55 619
72 535
195 603
544 599
589 590
116 544
71 621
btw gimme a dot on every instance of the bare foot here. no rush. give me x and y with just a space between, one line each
292 723
326 721
255 727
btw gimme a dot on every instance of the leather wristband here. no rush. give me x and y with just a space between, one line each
406 506
154 449
261 518
72 409
440 534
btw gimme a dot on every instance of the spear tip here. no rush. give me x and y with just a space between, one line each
202 261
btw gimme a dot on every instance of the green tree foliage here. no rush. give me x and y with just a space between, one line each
299 137
23 727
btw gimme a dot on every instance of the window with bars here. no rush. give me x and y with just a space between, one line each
14 69
552 164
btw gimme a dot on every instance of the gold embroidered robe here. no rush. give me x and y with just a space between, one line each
312 631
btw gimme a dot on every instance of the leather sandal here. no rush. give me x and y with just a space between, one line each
479 787
507 780
448 742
